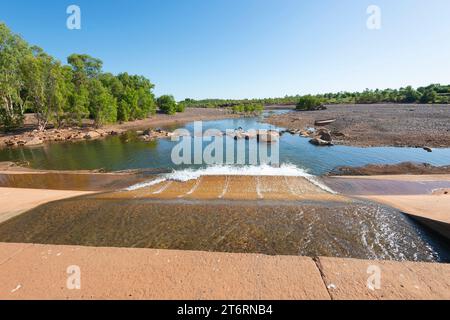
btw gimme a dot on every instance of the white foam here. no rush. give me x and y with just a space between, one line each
145 184
285 170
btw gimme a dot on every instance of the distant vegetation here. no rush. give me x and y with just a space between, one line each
248 108
434 93
33 81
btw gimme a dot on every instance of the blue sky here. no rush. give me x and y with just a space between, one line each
248 48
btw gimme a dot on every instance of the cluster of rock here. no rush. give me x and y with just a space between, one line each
153 134
37 137
322 137
303 133
319 137
268 136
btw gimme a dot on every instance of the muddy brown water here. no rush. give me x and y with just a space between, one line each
306 228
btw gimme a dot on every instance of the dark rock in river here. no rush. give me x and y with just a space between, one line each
319 142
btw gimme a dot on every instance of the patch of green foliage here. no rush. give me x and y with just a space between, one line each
33 81
248 108
308 102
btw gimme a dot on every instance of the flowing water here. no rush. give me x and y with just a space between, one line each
289 217
307 228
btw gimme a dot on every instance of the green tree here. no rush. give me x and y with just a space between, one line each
167 104
13 49
46 84
308 102
409 95
428 96
102 104
85 68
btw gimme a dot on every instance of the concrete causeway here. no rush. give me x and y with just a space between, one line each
31 271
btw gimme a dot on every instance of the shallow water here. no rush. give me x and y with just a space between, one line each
307 228
128 152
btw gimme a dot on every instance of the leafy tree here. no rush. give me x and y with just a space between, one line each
181 107
102 104
167 104
13 49
409 95
308 102
85 68
46 83
428 96
138 97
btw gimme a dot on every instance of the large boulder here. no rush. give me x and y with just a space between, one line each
324 134
92 135
319 142
34 142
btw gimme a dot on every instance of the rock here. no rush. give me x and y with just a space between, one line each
304 134
427 149
92 135
268 136
34 142
338 134
10 143
324 134
319 142
239 135
146 137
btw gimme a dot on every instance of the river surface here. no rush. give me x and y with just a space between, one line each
128 152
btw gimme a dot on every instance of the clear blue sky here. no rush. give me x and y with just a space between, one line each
248 48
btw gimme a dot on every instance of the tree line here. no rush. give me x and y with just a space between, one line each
33 81
432 94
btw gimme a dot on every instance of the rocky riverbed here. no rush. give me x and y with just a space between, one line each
400 125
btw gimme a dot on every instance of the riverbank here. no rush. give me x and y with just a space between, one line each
400 125
32 271
29 136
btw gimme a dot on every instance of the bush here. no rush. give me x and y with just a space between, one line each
248 108
167 104
181 107
308 102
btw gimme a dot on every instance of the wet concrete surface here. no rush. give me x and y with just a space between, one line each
356 229
71 181
368 186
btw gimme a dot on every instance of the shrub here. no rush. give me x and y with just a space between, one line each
308 103
167 104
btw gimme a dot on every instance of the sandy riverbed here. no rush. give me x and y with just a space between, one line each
378 124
